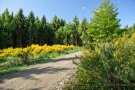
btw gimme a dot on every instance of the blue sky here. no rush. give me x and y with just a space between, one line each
67 9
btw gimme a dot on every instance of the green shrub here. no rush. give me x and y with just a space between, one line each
107 66
2 59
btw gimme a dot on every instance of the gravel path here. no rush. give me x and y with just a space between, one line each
40 76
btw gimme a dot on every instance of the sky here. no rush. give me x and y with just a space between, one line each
67 9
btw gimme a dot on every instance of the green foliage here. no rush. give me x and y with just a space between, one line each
65 34
83 31
129 30
31 27
104 23
19 26
108 65
27 57
6 28
70 33
22 31
76 37
43 33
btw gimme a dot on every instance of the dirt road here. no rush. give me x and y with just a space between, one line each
40 76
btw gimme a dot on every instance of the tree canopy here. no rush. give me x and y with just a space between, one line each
21 31
104 23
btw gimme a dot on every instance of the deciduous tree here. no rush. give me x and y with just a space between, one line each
105 22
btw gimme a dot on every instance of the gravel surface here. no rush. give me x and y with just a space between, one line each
44 76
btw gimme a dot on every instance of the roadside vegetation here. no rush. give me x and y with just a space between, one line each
19 58
108 59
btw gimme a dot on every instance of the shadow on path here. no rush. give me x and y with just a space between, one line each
26 74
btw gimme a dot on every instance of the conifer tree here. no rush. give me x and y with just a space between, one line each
19 22
31 27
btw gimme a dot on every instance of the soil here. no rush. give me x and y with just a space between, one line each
46 76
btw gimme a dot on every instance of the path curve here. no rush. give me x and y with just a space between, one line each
40 76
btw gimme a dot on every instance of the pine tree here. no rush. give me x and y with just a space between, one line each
42 31
50 31
104 23
6 30
36 32
55 25
83 30
31 28
19 22
75 30
1 33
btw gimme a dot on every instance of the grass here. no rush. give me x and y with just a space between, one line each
39 59
11 70
55 55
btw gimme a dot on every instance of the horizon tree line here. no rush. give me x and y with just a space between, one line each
21 31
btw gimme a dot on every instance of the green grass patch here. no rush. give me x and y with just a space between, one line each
55 55
11 70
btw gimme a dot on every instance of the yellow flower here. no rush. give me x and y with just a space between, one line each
34 49
133 36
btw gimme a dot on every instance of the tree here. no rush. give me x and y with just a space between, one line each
6 29
31 28
36 31
76 37
68 34
26 32
12 27
42 31
19 22
62 22
1 33
129 30
59 35
104 23
50 40
55 25
83 30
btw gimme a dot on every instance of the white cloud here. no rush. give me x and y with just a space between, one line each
83 8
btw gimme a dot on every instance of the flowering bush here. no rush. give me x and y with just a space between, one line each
34 50
10 57
109 65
